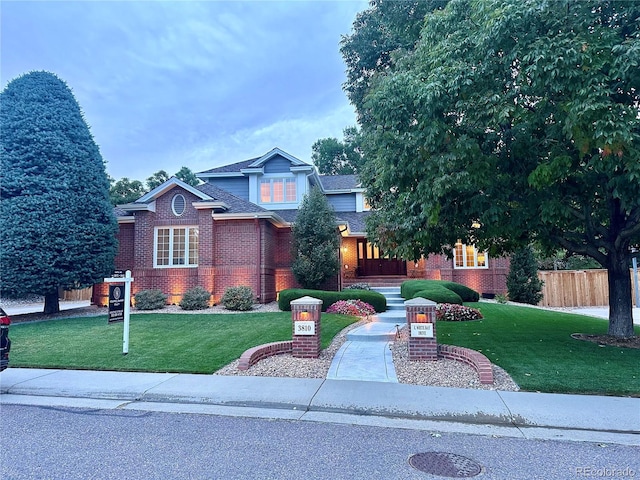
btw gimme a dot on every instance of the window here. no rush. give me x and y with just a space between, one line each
178 204
176 247
278 190
468 256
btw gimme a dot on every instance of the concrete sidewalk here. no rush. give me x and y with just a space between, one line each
520 414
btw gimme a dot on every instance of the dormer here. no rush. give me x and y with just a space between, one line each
274 181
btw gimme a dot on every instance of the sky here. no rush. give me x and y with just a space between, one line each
166 84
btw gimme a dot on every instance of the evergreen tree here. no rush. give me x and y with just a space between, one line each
58 228
315 241
523 283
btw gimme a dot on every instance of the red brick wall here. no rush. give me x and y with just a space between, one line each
483 280
126 237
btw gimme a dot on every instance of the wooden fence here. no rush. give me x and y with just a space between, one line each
576 288
77 295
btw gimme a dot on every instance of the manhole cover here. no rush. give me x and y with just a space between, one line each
445 464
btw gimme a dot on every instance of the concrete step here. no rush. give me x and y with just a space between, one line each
395 306
373 332
391 316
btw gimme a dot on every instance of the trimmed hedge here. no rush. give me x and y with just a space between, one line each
375 299
409 289
439 294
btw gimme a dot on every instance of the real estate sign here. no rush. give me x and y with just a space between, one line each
116 303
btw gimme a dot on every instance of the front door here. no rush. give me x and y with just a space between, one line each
373 262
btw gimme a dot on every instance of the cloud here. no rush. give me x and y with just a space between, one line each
170 83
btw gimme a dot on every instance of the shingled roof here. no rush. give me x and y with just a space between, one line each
233 168
236 204
339 182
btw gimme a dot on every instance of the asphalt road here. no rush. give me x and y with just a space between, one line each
69 443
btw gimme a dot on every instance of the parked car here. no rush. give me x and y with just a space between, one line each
5 343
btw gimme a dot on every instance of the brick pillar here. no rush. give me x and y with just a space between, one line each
421 322
305 316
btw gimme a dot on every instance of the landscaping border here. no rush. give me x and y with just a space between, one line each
478 361
255 354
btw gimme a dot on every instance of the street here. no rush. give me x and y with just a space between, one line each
70 443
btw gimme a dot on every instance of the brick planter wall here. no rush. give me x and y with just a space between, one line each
479 362
255 354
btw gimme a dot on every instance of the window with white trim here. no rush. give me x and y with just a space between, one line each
468 256
175 247
278 190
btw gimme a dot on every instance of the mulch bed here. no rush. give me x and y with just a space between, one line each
633 342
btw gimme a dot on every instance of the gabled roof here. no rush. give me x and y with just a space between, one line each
277 152
240 168
168 185
147 202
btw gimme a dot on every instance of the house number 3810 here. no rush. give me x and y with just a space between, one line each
304 328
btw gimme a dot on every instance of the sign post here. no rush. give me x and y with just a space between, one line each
119 305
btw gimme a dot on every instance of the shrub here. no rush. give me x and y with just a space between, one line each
375 299
358 286
409 289
523 283
238 298
357 308
150 300
502 298
196 298
456 313
439 294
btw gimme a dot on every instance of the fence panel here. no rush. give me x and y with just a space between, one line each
77 295
577 288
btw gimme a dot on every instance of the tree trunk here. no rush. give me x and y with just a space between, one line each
620 303
52 302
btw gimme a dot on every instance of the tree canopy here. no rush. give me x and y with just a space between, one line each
126 191
333 157
157 179
58 228
511 122
315 241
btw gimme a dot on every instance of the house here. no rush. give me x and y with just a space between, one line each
235 229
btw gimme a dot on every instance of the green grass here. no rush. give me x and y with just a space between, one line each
536 348
157 342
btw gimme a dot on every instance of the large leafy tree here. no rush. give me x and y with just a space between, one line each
58 228
383 32
126 191
513 121
157 179
315 241
187 176
335 157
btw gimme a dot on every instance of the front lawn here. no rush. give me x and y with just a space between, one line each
536 348
192 343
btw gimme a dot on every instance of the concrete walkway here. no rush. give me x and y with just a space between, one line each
366 355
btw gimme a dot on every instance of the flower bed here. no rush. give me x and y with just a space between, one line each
450 312
357 308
